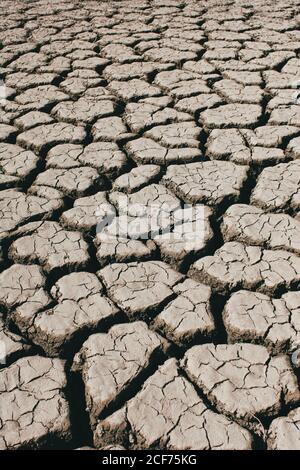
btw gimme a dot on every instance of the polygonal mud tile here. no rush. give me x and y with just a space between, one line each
234 92
42 96
111 362
12 346
166 54
211 182
176 135
133 70
269 136
15 161
33 407
32 119
105 157
233 145
87 212
133 89
144 214
254 317
64 156
253 226
120 53
7 132
232 115
188 317
42 137
137 178
144 151
112 247
72 181
16 208
81 310
110 129
278 188
142 116
286 115
198 103
19 284
175 81
29 62
243 380
168 413
83 111
293 148
189 238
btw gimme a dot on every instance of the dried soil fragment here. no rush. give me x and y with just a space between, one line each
140 288
235 265
111 362
33 408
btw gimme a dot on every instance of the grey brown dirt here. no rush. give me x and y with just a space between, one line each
110 342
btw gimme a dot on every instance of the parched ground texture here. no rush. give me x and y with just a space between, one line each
129 343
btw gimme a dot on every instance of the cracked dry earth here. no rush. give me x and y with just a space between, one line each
127 343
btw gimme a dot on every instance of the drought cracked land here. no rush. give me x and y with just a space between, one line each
115 339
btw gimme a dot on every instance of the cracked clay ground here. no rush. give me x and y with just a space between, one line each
137 343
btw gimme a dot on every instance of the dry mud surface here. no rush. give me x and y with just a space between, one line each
119 342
